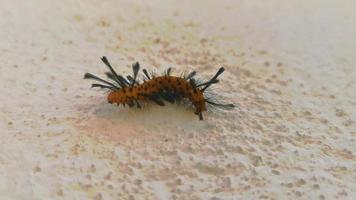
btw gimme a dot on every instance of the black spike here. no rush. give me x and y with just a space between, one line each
135 69
225 106
168 72
91 76
190 75
209 82
102 86
115 75
192 82
220 71
146 74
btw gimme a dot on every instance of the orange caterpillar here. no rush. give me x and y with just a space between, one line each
170 88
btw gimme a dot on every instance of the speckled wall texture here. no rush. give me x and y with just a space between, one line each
290 69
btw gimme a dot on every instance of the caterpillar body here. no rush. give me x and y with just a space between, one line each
156 89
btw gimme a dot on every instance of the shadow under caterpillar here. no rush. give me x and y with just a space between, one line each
130 91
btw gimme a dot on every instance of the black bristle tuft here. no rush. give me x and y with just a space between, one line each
112 77
123 80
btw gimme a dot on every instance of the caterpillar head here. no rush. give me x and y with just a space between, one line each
112 97
201 100
197 98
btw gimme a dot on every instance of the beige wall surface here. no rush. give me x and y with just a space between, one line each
290 69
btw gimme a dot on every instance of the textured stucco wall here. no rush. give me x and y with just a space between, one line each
290 68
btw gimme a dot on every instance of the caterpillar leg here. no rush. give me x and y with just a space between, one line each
157 101
138 104
200 116
155 98
168 96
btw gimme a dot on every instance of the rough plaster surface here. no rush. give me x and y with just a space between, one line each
290 68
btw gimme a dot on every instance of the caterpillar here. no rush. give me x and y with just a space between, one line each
128 90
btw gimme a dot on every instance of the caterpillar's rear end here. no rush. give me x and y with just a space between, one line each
128 90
